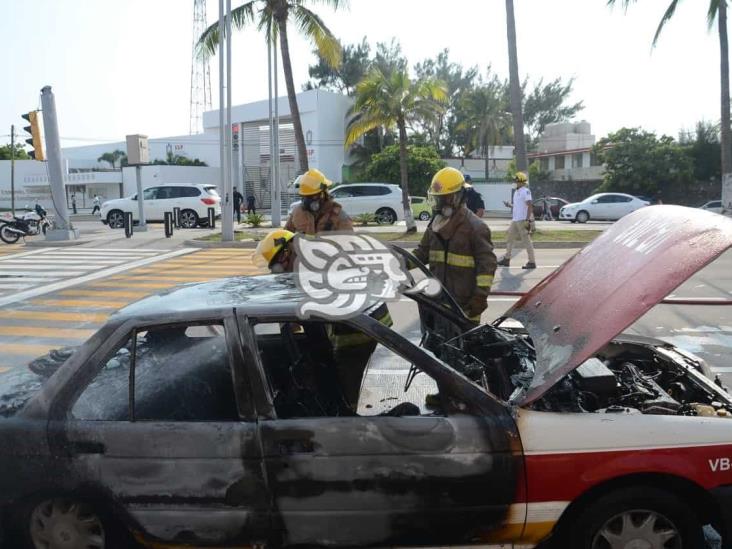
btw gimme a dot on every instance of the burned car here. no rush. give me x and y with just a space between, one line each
208 416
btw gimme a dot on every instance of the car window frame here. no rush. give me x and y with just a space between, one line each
92 364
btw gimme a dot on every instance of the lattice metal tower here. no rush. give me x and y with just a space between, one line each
200 71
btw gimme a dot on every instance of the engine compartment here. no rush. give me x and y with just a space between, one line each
625 376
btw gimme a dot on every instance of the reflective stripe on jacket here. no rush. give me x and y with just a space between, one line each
343 336
331 217
460 255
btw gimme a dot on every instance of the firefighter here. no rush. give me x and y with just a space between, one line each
317 212
457 245
351 348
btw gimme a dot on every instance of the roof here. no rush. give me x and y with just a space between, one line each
264 293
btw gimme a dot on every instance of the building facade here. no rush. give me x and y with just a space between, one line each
564 151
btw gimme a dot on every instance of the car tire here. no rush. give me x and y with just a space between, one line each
7 236
386 216
116 219
654 517
582 217
73 523
188 219
424 216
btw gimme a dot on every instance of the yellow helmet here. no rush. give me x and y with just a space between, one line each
447 181
312 182
272 245
520 177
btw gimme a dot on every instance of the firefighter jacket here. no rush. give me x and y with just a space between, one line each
460 255
331 217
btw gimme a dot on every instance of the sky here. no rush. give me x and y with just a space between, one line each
119 68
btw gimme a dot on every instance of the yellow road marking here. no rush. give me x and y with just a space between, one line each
26 349
131 284
4 369
52 315
174 278
80 303
228 268
56 333
104 293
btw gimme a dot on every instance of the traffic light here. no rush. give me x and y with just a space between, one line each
36 140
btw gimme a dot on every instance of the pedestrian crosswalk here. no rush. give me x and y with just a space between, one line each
69 315
48 269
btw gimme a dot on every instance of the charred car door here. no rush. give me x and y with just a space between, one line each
164 429
426 458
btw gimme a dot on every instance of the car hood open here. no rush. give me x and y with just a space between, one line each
604 288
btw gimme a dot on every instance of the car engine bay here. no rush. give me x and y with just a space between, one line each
625 376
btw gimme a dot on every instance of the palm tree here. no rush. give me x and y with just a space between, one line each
485 120
717 10
272 16
112 157
515 90
389 100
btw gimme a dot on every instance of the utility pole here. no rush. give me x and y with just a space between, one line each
12 169
515 94
62 228
277 206
227 211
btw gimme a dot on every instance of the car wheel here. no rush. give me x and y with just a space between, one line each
637 517
7 236
385 216
424 216
188 219
60 523
116 219
583 217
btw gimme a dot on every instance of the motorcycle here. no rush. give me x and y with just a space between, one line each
31 223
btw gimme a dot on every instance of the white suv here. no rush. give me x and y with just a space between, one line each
384 200
194 200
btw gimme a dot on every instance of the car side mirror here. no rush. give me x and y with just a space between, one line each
594 202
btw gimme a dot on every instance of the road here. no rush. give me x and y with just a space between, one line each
90 283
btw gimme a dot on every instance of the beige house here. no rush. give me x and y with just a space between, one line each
565 151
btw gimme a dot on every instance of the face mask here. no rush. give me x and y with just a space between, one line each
277 268
311 204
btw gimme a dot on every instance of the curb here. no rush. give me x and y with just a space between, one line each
55 243
251 244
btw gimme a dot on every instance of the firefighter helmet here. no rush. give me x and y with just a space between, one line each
312 182
446 181
268 249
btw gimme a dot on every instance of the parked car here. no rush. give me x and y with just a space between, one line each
194 200
552 203
421 208
713 206
384 200
198 416
603 206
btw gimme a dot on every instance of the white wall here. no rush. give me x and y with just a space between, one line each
168 175
494 194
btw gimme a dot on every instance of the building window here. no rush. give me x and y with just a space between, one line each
577 160
559 162
544 164
594 160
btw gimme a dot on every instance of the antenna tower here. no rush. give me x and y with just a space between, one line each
200 71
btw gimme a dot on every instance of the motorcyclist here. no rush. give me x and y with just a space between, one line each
317 212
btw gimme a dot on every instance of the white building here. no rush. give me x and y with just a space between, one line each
565 151
323 115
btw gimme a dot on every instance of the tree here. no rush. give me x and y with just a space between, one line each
485 122
177 160
515 90
639 162
393 100
343 78
547 104
703 147
423 162
20 154
272 16
717 9
113 157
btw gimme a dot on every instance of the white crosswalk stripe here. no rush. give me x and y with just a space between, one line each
29 271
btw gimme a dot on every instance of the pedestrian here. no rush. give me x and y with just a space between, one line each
317 212
473 199
73 202
457 245
251 207
238 199
97 205
522 222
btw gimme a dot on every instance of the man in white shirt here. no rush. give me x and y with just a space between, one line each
521 222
